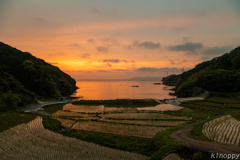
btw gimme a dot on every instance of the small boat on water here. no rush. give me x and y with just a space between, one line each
134 86
157 83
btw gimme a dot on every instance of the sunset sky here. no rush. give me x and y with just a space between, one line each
121 39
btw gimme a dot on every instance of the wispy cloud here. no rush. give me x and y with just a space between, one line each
85 55
102 49
101 70
153 69
111 60
75 45
187 47
147 45
53 62
116 61
211 52
91 40
217 50
110 41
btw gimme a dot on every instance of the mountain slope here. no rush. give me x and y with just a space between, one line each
221 74
34 74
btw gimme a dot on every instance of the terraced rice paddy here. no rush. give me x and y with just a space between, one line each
172 156
84 108
67 123
115 128
225 129
119 109
147 116
32 141
146 122
61 113
222 100
161 107
118 120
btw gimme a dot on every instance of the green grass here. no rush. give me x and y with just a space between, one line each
51 123
162 142
187 112
88 102
11 119
206 103
222 99
233 105
127 143
118 102
54 108
207 108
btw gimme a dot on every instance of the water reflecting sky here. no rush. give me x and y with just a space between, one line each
121 89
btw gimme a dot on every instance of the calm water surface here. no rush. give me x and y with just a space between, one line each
121 89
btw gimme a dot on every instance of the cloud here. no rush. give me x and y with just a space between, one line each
75 45
53 63
85 55
179 29
111 60
116 61
101 71
172 61
211 52
153 69
217 50
111 12
57 54
185 39
185 60
91 40
120 70
188 47
43 23
147 45
129 47
102 49
110 41
97 11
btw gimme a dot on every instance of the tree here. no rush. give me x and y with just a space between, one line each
28 65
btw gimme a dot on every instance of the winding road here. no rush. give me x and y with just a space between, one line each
177 101
39 105
212 147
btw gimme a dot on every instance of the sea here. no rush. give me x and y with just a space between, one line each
121 89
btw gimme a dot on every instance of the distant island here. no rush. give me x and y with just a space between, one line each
145 78
25 78
130 79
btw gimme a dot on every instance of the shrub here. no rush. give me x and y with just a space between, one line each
197 91
186 89
51 123
198 156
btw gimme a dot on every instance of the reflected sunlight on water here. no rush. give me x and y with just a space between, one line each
121 89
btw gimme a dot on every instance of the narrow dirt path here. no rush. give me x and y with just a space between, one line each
38 106
211 147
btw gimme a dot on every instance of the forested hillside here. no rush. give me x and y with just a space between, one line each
23 78
221 74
